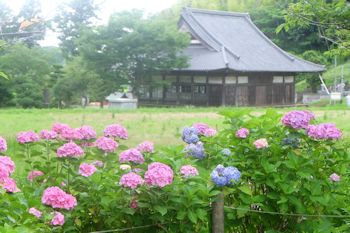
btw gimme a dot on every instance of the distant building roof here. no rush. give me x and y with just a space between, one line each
231 40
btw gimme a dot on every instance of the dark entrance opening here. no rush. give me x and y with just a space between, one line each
215 95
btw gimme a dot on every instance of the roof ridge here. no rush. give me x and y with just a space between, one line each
194 31
217 12
212 36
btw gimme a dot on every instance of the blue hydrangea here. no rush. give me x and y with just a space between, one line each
226 152
217 179
232 175
195 150
225 176
293 142
190 135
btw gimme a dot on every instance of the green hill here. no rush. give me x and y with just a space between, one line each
335 73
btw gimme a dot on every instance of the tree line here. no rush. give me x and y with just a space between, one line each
95 60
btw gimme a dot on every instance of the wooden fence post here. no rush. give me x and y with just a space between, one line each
218 216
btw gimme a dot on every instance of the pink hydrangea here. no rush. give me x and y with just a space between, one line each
131 180
58 219
261 143
70 134
131 155
48 135
297 119
27 137
201 127
35 212
97 163
204 129
159 174
59 127
115 131
8 163
323 131
10 185
4 172
3 145
334 177
57 198
188 171
106 144
242 133
70 149
134 203
146 147
33 174
210 132
87 132
86 169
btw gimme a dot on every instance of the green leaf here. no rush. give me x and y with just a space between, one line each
269 168
192 216
181 214
201 214
246 189
161 209
3 75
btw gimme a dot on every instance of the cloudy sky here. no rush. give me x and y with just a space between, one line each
49 8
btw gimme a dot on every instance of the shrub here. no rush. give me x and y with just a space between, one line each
276 174
77 184
297 172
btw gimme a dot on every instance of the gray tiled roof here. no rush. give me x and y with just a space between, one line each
231 40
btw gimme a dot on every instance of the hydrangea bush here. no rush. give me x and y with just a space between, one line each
79 180
289 164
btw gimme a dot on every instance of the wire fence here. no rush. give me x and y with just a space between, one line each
240 209
124 229
289 214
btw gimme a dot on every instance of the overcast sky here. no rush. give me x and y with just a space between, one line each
106 8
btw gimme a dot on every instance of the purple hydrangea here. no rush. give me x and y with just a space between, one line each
297 119
190 135
242 133
323 131
87 132
225 176
195 150
226 152
3 145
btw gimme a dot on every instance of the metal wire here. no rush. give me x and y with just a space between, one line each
290 214
124 229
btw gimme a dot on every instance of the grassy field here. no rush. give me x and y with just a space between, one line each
161 125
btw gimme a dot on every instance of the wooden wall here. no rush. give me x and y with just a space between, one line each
221 88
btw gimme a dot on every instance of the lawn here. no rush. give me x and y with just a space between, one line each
161 125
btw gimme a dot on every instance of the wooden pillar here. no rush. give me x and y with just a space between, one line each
223 96
207 88
192 89
218 216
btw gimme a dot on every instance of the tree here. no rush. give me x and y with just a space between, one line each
71 19
330 17
312 79
28 70
131 49
7 20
